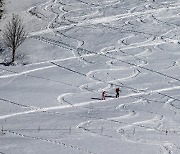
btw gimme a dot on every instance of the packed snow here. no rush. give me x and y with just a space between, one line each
51 98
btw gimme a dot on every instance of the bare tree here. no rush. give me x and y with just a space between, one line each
14 34
1 8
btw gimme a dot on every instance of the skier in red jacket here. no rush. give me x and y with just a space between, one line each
103 95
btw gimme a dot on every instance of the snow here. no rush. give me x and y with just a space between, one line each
50 100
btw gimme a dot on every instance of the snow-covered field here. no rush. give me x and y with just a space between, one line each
50 101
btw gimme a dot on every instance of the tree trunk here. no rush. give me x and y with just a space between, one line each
13 56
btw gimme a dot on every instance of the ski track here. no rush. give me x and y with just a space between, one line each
83 103
124 136
166 147
51 141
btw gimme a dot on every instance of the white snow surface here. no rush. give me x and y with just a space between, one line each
50 100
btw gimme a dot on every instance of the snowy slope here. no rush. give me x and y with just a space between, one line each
50 101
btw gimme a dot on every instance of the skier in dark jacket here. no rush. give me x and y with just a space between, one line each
117 92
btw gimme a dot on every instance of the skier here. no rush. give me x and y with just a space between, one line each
103 95
117 92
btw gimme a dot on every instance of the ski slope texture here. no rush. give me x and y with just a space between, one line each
50 100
